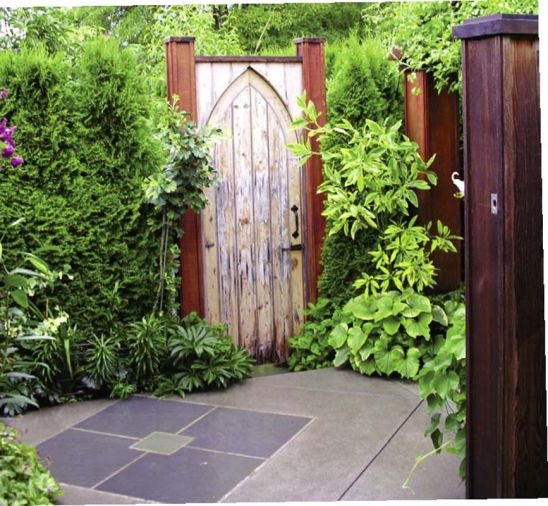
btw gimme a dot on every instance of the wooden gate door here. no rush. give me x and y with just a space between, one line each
252 227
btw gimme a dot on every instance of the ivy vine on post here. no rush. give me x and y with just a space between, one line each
177 187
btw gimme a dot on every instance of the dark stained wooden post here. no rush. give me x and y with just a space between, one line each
506 410
312 52
431 120
181 81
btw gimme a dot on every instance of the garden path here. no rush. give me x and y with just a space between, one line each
322 435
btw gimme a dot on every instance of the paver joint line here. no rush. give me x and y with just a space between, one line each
380 451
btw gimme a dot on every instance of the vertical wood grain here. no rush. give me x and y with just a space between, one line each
506 403
263 235
431 120
313 74
247 225
181 81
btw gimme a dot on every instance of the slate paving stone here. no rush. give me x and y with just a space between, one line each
162 442
245 432
188 475
139 416
83 458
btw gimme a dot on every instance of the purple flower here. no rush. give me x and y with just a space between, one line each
4 94
8 151
16 161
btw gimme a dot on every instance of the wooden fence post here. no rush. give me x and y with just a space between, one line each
431 120
181 81
506 401
312 52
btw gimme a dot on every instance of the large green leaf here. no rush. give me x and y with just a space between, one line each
439 315
391 325
341 357
407 364
20 297
356 339
338 335
418 327
417 304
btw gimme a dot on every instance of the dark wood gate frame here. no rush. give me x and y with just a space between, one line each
506 391
181 81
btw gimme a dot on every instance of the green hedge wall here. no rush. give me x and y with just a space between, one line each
84 131
363 84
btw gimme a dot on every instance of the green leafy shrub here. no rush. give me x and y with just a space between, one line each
201 356
371 186
88 143
146 346
310 348
24 481
386 333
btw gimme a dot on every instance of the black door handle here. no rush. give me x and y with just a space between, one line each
295 210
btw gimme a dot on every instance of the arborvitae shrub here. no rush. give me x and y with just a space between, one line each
343 259
84 130
363 83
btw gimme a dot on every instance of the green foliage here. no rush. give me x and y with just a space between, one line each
423 31
24 481
309 348
260 26
363 83
88 146
176 187
442 382
102 361
201 356
146 345
385 333
343 259
371 185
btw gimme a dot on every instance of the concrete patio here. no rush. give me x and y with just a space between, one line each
324 435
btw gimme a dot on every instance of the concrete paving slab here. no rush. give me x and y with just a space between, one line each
332 379
322 461
74 495
436 477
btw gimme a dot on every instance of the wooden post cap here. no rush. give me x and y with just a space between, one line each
497 24
180 39
310 40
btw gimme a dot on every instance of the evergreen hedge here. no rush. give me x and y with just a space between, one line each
84 131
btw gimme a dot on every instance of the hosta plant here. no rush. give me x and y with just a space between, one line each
387 333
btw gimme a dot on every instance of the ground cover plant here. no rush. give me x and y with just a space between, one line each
24 481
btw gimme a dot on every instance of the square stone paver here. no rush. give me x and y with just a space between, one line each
188 475
162 442
245 432
83 458
139 416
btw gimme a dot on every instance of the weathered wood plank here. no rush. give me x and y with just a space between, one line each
227 239
244 218
263 235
